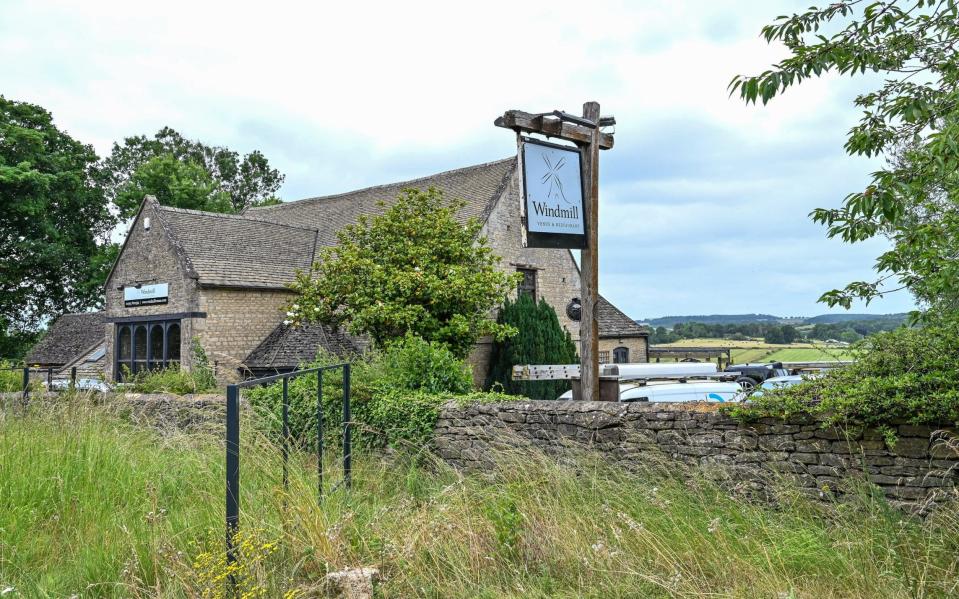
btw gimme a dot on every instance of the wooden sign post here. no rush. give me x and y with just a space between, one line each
586 134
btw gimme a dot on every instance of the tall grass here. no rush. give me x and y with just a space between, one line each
92 506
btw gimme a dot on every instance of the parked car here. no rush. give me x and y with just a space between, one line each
751 375
781 382
709 391
81 385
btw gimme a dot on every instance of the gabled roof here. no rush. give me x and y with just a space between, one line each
237 251
68 337
479 186
613 323
288 347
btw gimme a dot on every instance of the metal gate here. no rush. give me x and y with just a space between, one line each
233 443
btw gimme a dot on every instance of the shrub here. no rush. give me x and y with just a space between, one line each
11 378
905 374
415 364
395 395
175 380
541 340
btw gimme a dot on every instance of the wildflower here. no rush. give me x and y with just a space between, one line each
598 547
713 526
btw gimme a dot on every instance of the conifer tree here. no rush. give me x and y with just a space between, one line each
541 340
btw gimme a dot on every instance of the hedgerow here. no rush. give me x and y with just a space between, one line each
908 375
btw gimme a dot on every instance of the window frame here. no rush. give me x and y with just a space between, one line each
621 351
529 274
149 361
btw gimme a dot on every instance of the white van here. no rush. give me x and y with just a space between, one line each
709 391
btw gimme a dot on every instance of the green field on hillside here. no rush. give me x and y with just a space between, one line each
756 350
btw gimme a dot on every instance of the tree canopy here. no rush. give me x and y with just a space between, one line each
187 174
54 219
414 269
911 119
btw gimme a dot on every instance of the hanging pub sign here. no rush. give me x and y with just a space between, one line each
145 295
552 203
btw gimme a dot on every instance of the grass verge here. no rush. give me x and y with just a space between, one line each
92 506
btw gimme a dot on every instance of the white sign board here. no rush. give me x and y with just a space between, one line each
553 195
145 295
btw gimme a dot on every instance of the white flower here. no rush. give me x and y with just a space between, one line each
289 313
286 322
713 525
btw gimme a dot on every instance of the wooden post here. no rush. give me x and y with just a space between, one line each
589 267
585 133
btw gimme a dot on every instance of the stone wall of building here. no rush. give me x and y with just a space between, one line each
149 257
557 277
638 348
237 320
920 467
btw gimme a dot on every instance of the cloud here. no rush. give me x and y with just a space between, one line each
704 199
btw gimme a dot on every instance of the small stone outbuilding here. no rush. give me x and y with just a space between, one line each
72 341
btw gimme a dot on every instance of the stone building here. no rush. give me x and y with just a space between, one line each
73 341
222 279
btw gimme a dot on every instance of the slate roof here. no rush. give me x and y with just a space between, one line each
68 337
479 186
238 251
287 346
613 323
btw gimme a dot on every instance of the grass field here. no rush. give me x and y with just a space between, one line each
91 507
756 350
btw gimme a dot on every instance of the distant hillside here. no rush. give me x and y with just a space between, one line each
834 318
671 321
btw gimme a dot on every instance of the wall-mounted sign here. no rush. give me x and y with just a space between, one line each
145 295
552 195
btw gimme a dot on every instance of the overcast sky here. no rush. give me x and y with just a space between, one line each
703 201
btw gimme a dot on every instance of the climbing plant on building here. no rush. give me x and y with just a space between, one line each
416 268
911 119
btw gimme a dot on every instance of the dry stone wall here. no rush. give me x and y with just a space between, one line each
921 468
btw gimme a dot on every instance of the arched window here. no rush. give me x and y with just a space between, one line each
139 349
621 355
173 343
144 345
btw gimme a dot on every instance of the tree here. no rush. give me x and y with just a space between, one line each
54 219
789 333
774 335
177 183
234 183
412 269
912 120
540 340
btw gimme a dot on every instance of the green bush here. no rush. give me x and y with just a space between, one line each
173 379
909 374
11 377
395 395
415 364
541 340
